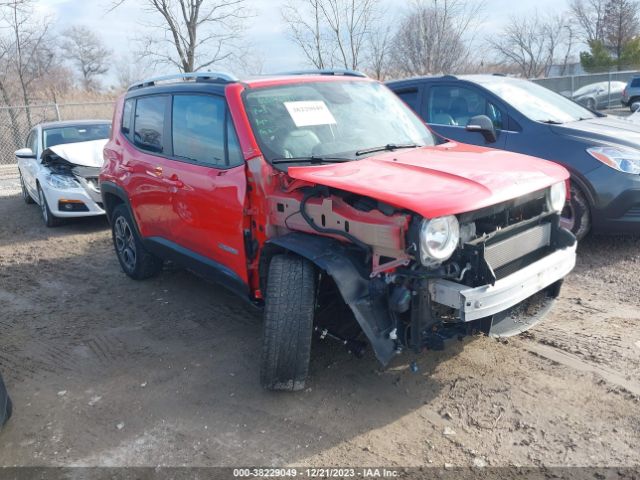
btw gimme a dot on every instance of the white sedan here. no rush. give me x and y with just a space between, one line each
59 168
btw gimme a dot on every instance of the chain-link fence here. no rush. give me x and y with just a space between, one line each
596 90
15 122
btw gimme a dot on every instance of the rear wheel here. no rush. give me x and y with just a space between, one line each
25 193
631 102
576 215
135 260
288 323
49 219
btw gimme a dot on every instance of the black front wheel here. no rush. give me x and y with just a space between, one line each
576 215
289 312
135 260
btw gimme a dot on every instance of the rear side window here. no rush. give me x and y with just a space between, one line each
635 83
202 131
410 97
148 130
126 117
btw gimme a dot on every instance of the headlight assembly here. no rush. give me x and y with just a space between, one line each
61 182
557 197
438 239
620 158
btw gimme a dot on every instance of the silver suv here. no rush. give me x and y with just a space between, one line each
631 94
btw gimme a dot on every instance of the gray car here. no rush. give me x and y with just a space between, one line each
599 95
631 93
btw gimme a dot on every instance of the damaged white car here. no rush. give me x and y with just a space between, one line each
59 168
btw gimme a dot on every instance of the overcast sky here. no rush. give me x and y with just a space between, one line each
266 31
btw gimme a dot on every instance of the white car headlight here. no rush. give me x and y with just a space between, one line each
438 239
557 197
61 182
620 158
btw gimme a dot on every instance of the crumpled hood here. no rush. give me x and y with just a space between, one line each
86 154
434 181
603 129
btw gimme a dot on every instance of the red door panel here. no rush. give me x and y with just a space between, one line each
208 205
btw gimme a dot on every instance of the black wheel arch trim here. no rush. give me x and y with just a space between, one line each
110 188
346 268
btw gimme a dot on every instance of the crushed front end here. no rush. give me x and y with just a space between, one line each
497 270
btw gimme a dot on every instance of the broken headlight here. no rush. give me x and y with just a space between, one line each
61 182
438 239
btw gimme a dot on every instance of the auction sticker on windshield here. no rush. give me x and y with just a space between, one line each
310 113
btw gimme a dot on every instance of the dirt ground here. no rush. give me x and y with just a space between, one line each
107 371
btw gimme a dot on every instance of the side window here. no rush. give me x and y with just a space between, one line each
233 145
635 83
148 129
126 117
410 97
199 128
452 105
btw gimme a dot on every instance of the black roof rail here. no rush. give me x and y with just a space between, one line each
344 73
219 77
449 77
497 74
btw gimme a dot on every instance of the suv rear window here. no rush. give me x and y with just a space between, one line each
148 129
635 83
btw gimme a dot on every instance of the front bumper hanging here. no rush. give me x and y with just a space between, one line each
487 300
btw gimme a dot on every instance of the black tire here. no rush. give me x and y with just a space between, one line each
25 194
288 323
136 261
49 219
8 410
632 101
577 215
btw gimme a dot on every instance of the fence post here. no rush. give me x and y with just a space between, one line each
573 85
57 111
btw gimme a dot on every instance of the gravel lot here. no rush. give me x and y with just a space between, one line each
107 371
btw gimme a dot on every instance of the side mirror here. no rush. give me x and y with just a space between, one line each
25 153
483 124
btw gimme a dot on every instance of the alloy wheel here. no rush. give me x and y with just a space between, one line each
43 205
125 243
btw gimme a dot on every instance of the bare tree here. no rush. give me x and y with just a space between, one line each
589 17
432 36
87 52
192 35
533 43
29 52
332 33
127 72
379 59
621 24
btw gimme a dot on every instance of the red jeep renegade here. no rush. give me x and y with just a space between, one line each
322 198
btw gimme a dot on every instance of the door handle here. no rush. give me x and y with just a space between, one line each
174 181
158 171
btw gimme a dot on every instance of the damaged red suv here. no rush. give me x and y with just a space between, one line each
326 201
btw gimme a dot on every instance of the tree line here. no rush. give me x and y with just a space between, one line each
39 62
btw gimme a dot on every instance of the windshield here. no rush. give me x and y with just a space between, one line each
73 134
331 120
538 103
